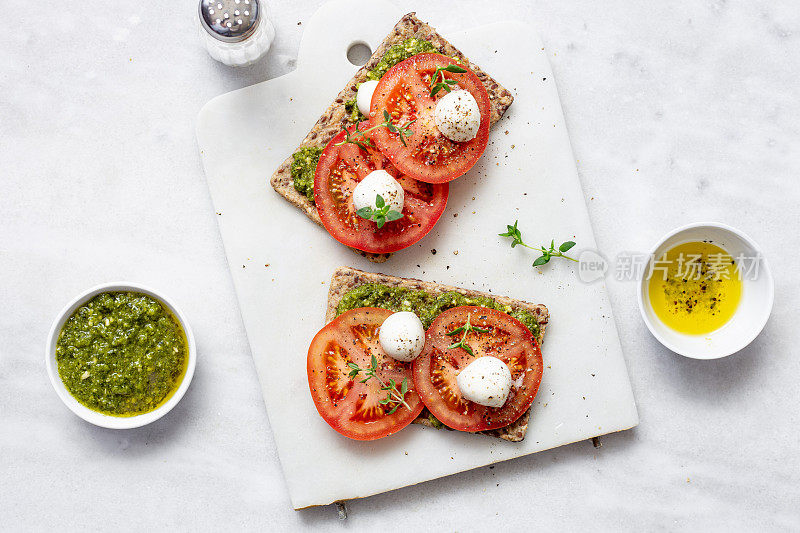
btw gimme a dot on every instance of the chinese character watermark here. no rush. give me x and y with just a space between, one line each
635 266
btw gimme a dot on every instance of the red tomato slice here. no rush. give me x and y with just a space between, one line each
339 170
435 370
404 91
352 408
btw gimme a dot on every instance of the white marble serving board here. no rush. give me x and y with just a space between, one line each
281 262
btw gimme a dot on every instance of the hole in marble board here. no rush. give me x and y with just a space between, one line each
359 53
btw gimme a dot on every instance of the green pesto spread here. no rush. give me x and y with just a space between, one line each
397 53
425 305
435 422
304 165
121 353
392 56
354 114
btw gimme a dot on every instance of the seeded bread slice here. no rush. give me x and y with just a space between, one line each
335 117
346 278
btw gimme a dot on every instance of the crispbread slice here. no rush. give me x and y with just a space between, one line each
335 117
345 279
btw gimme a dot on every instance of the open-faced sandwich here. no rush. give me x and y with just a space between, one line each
374 169
396 351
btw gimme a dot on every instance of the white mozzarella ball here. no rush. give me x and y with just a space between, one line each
379 182
485 381
402 336
364 96
458 116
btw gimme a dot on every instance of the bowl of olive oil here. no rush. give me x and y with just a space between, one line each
706 291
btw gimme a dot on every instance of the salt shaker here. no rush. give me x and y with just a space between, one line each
235 32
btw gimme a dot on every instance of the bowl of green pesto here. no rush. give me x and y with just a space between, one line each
120 355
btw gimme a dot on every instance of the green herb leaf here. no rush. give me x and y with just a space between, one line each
393 215
466 328
455 68
511 230
394 396
382 214
516 235
363 144
566 246
446 83
455 331
360 138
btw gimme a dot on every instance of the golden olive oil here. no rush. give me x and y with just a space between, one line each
695 287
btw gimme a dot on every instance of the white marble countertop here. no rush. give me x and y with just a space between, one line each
676 114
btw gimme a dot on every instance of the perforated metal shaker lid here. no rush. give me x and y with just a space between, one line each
230 21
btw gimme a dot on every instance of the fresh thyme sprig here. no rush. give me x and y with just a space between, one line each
547 253
394 396
383 214
445 84
352 139
466 328
402 131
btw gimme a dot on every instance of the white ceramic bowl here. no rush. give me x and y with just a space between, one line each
100 419
754 307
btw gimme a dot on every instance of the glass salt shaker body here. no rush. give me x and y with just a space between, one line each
235 32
